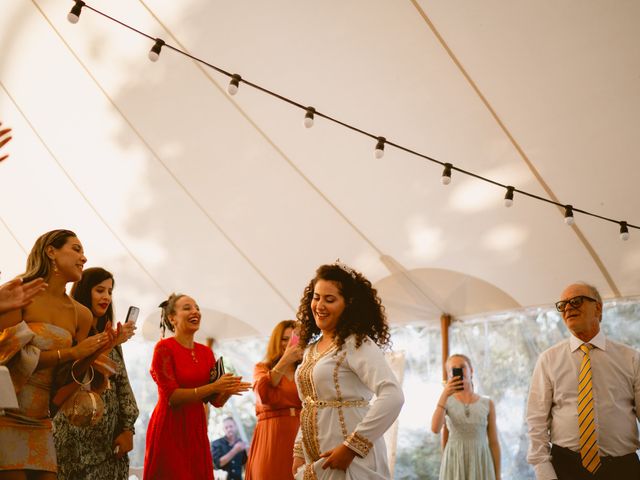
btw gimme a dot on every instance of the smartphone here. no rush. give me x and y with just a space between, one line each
294 339
132 315
457 372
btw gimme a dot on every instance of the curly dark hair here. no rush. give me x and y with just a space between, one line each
363 315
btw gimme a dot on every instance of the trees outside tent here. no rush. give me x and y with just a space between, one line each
503 347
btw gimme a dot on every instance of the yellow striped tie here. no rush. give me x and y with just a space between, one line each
589 450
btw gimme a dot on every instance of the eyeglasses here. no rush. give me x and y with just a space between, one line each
575 302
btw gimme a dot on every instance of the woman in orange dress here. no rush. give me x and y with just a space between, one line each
277 407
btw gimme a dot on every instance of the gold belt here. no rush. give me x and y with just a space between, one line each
310 402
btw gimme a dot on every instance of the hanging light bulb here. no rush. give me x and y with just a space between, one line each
234 84
308 117
446 174
74 15
568 215
379 151
154 53
508 197
624 231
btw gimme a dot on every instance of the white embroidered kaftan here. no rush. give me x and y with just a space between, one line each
336 387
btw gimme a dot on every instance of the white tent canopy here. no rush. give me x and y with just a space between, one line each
176 186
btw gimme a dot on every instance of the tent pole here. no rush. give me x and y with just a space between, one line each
445 322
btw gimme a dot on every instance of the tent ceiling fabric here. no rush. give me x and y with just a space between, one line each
175 186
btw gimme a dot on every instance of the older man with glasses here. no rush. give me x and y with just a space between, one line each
584 399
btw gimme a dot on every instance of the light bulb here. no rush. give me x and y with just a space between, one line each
154 53
234 84
568 215
74 15
308 117
624 231
379 151
508 197
446 174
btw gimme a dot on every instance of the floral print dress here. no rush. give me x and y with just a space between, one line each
87 452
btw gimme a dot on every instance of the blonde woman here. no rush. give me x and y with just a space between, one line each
51 330
277 406
468 423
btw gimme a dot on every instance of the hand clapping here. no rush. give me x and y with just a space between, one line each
4 139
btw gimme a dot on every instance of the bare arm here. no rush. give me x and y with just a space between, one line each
437 420
15 294
291 355
225 385
494 444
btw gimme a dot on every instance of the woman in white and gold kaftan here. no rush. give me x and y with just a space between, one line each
341 429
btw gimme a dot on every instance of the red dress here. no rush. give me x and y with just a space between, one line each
177 442
278 412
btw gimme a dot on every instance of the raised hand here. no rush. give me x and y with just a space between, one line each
4 139
16 294
230 385
453 385
291 355
127 330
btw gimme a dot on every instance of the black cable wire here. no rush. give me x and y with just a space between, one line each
356 129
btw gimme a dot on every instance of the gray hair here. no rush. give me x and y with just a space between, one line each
594 291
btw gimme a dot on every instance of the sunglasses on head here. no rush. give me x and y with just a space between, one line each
575 302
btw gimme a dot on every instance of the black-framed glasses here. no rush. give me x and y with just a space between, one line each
575 302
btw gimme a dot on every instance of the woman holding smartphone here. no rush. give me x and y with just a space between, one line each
277 406
46 333
468 423
100 451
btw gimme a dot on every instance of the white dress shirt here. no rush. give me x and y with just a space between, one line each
552 412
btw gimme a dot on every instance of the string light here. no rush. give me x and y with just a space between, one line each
310 112
379 151
508 197
154 53
568 215
234 84
624 231
74 15
446 174
308 117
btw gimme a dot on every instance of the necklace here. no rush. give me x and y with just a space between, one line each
467 406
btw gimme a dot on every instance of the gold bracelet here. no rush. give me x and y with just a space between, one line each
274 369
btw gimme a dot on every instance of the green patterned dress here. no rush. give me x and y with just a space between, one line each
87 452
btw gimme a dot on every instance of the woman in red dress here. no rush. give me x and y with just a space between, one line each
177 443
277 407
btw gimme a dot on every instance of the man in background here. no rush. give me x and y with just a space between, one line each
584 399
230 452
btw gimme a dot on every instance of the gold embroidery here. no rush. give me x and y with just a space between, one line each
334 403
309 414
309 472
358 444
297 450
336 383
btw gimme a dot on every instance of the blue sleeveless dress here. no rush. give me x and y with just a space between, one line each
467 454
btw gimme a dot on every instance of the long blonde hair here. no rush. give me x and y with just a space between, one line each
39 265
274 347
